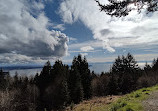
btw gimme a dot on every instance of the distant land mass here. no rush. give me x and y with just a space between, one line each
33 69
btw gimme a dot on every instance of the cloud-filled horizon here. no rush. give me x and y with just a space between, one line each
112 31
40 30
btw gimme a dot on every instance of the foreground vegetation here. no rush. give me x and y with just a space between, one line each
60 86
94 104
128 102
132 101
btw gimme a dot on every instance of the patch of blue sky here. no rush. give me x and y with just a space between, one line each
79 31
51 9
76 30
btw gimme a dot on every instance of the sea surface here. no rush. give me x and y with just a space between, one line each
32 70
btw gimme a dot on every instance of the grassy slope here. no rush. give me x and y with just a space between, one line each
129 102
95 104
132 101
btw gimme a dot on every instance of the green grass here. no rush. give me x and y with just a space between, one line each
128 102
132 101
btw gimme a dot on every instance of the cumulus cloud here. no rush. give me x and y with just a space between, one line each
25 34
84 54
113 32
86 48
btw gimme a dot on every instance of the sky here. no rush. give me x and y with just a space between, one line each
34 31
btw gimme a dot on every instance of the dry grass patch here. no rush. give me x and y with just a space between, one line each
95 104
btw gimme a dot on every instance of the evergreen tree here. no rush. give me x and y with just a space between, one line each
75 86
82 65
57 92
52 83
3 80
112 85
42 81
16 80
155 64
126 68
147 68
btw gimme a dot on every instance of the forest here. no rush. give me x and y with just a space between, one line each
58 86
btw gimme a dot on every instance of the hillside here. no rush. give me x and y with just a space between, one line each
144 99
95 104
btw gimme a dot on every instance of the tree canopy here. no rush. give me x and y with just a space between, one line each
120 8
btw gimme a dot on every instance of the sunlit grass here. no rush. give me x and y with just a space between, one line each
132 101
129 102
95 104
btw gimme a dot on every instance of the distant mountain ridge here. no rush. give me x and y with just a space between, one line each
20 67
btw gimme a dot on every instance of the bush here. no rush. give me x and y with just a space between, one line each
18 99
118 105
129 109
137 95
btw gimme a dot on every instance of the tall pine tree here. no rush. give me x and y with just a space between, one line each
82 66
75 85
126 68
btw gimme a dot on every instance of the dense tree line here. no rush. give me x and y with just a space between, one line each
125 76
59 86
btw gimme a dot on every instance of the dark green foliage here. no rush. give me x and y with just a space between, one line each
126 68
155 65
112 85
52 83
117 106
147 68
75 85
43 79
82 66
119 8
57 91
3 80
129 109
137 95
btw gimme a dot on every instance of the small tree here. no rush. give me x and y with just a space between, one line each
147 68
155 64
3 80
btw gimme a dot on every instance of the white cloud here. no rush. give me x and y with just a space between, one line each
84 54
145 57
72 39
141 58
95 44
87 48
134 29
24 31
59 26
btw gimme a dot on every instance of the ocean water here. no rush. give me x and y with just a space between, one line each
24 72
100 67
96 67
